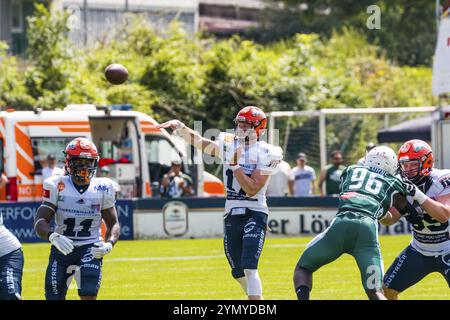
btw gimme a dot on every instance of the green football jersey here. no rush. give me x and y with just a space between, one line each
368 191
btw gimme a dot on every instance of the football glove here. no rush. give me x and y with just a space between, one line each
414 192
413 213
100 249
62 243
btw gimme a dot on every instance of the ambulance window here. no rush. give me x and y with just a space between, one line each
44 146
160 153
159 150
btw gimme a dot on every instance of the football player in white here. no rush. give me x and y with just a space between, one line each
11 260
78 202
429 194
248 163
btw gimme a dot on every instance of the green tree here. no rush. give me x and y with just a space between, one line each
407 34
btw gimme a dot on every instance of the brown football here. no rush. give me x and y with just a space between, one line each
116 73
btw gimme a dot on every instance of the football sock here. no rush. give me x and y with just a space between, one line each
302 293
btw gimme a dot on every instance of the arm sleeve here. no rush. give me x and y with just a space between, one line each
226 145
219 142
400 187
445 187
50 191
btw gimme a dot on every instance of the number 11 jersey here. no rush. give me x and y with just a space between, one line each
78 214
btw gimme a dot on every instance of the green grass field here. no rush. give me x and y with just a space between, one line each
197 269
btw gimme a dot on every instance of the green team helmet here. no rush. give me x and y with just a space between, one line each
383 158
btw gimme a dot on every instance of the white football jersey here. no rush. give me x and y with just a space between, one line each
8 242
260 155
78 215
432 237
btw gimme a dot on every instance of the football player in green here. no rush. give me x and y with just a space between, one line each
368 191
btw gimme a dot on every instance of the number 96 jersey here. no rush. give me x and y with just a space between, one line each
258 156
78 214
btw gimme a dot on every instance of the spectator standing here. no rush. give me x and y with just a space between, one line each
302 181
51 169
331 175
278 182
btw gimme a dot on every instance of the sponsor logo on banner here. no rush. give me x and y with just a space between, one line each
310 223
19 219
175 218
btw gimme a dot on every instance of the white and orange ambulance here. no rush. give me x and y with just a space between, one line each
136 152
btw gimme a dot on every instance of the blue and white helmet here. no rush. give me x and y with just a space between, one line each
383 158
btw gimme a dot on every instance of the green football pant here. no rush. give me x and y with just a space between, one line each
350 233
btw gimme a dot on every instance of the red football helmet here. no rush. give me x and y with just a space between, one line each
253 115
416 161
81 159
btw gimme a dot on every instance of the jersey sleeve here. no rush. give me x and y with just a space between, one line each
50 190
109 199
225 145
444 184
269 158
400 186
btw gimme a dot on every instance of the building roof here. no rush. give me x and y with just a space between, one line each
222 25
255 4
190 5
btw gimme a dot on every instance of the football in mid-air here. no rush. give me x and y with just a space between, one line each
116 73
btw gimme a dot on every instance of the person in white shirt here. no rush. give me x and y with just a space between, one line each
279 182
302 181
51 169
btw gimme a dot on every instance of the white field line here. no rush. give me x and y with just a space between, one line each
168 258
287 245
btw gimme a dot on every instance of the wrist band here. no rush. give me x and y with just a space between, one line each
234 167
420 197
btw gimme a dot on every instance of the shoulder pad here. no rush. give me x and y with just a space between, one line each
271 152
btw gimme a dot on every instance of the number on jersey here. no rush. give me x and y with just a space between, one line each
84 232
369 183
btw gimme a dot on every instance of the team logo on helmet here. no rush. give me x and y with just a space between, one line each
72 145
404 148
417 147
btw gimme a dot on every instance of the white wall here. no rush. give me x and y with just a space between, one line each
206 223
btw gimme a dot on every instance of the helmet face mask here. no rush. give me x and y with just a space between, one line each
245 131
81 160
410 169
82 169
416 160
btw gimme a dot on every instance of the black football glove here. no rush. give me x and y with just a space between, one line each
413 213
410 188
